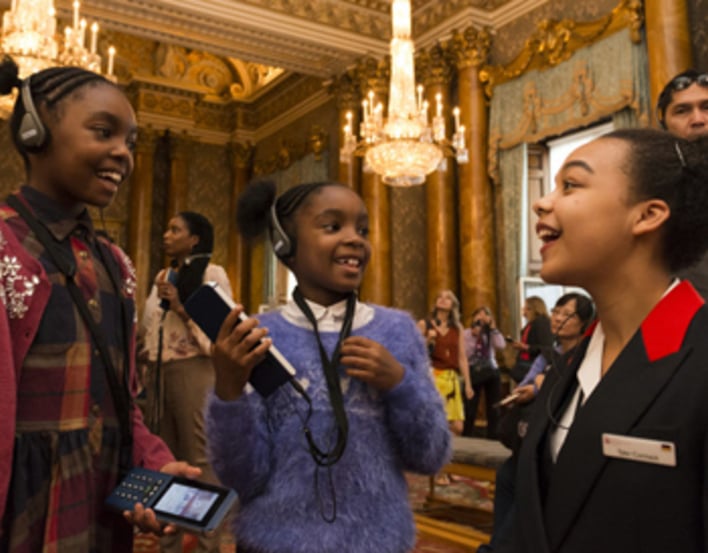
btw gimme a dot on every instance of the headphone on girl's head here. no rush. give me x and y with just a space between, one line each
32 135
283 246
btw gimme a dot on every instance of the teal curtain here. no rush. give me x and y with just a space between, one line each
597 82
511 236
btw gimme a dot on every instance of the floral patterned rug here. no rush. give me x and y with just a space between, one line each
461 491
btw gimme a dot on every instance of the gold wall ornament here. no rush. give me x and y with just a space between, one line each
317 142
242 154
280 160
195 68
251 79
554 42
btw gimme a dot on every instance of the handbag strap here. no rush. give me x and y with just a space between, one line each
67 266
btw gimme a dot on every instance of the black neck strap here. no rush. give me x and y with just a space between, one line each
329 458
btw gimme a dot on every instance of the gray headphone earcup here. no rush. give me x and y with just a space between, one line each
281 244
31 133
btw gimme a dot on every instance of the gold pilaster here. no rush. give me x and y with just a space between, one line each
476 205
141 191
668 42
237 260
440 185
179 174
376 286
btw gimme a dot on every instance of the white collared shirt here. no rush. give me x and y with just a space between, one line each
588 375
329 319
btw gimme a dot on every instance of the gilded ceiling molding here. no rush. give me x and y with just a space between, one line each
253 79
555 41
196 69
229 79
470 48
364 17
435 13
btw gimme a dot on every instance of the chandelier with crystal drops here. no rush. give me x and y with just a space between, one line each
407 146
29 37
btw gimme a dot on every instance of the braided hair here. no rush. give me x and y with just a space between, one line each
48 88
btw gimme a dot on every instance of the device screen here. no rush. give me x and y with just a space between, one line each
187 502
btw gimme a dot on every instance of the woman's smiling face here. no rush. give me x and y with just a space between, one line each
585 223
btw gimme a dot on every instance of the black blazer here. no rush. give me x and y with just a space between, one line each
591 503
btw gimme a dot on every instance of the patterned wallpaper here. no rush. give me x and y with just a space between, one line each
408 250
210 190
698 13
510 39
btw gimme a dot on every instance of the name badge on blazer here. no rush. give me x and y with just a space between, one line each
642 450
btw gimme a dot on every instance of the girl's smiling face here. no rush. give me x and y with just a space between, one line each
586 222
331 229
90 155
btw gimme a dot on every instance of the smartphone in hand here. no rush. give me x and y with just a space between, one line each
208 306
190 504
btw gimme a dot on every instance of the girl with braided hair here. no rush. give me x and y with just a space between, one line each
318 464
68 426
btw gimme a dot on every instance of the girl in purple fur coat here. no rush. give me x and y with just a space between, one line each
319 464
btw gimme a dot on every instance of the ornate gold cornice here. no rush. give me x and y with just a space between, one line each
556 41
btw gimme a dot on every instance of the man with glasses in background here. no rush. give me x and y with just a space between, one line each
682 109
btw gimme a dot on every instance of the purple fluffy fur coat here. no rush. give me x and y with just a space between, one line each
257 447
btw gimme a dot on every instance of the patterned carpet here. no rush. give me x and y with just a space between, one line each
461 491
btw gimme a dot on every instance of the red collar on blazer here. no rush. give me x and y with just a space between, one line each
665 327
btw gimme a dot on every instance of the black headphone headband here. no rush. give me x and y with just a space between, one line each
31 135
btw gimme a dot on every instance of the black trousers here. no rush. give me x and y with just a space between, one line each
492 394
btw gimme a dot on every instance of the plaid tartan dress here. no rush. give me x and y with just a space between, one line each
66 435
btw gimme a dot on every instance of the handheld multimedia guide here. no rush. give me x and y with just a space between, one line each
208 306
189 504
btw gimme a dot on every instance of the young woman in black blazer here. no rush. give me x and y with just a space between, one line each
615 455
